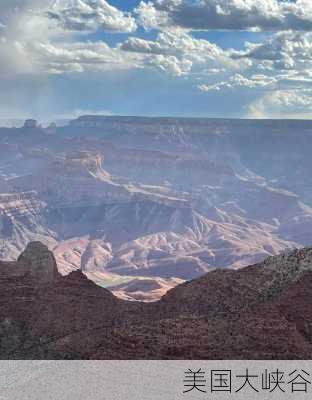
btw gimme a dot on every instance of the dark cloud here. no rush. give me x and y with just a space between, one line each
267 15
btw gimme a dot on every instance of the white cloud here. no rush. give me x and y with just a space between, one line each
170 64
276 72
286 56
239 81
181 52
91 15
285 49
209 88
150 17
34 44
282 104
279 76
175 43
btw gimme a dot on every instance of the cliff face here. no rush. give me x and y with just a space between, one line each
21 221
262 311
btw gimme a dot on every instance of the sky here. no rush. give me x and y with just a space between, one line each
210 58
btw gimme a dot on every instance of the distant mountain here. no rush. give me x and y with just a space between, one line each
258 312
11 122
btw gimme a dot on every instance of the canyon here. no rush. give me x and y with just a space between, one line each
141 205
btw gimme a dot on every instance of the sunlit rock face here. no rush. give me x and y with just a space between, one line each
134 202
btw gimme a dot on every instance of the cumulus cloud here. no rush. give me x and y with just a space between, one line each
285 50
174 43
90 15
179 51
170 64
286 56
151 17
269 15
34 44
239 81
39 40
282 104
279 76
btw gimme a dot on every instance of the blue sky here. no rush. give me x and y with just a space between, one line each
214 58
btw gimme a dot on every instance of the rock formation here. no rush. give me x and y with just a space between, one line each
259 312
31 123
38 262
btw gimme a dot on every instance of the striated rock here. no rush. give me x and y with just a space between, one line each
155 199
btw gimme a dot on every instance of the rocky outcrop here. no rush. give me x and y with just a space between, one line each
31 123
38 262
40 307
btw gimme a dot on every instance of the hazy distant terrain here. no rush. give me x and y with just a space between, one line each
141 205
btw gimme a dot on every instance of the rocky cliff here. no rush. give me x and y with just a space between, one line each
259 312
